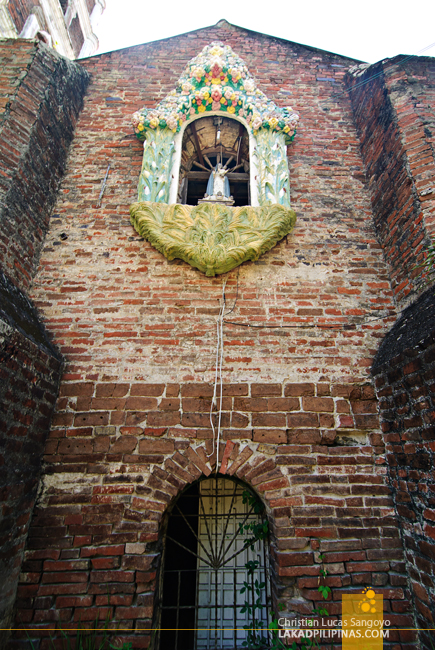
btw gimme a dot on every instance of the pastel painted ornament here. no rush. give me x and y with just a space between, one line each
216 82
211 237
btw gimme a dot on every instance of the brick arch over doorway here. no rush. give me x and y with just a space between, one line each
241 460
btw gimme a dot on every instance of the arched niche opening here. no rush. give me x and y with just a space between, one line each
209 553
207 142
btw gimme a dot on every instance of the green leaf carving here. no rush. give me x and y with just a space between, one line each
272 169
211 237
155 177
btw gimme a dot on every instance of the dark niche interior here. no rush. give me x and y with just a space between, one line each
207 142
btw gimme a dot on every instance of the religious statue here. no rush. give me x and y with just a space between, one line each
218 183
218 186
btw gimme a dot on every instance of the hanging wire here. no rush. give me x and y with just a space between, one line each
221 317
218 374
237 293
103 186
220 351
336 326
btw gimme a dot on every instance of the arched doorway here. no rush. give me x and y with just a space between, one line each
215 578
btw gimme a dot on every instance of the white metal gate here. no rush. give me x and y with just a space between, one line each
208 545
221 570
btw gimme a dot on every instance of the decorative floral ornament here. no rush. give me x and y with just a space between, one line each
217 80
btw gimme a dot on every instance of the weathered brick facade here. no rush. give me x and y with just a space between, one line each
41 95
138 334
40 98
404 371
30 371
396 123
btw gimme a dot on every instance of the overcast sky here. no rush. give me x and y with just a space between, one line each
369 30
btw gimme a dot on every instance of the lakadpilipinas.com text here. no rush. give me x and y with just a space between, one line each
359 629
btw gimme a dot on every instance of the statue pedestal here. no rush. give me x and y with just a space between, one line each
217 198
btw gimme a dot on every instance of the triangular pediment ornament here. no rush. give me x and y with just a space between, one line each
214 236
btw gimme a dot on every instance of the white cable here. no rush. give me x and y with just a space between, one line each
221 325
213 401
218 373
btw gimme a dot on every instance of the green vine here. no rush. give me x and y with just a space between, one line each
307 642
324 589
256 640
253 590
427 273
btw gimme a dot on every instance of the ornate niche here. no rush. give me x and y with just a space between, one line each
216 134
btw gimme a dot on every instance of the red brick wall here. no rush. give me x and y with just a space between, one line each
29 379
394 116
309 450
40 98
138 335
118 300
404 373
411 85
